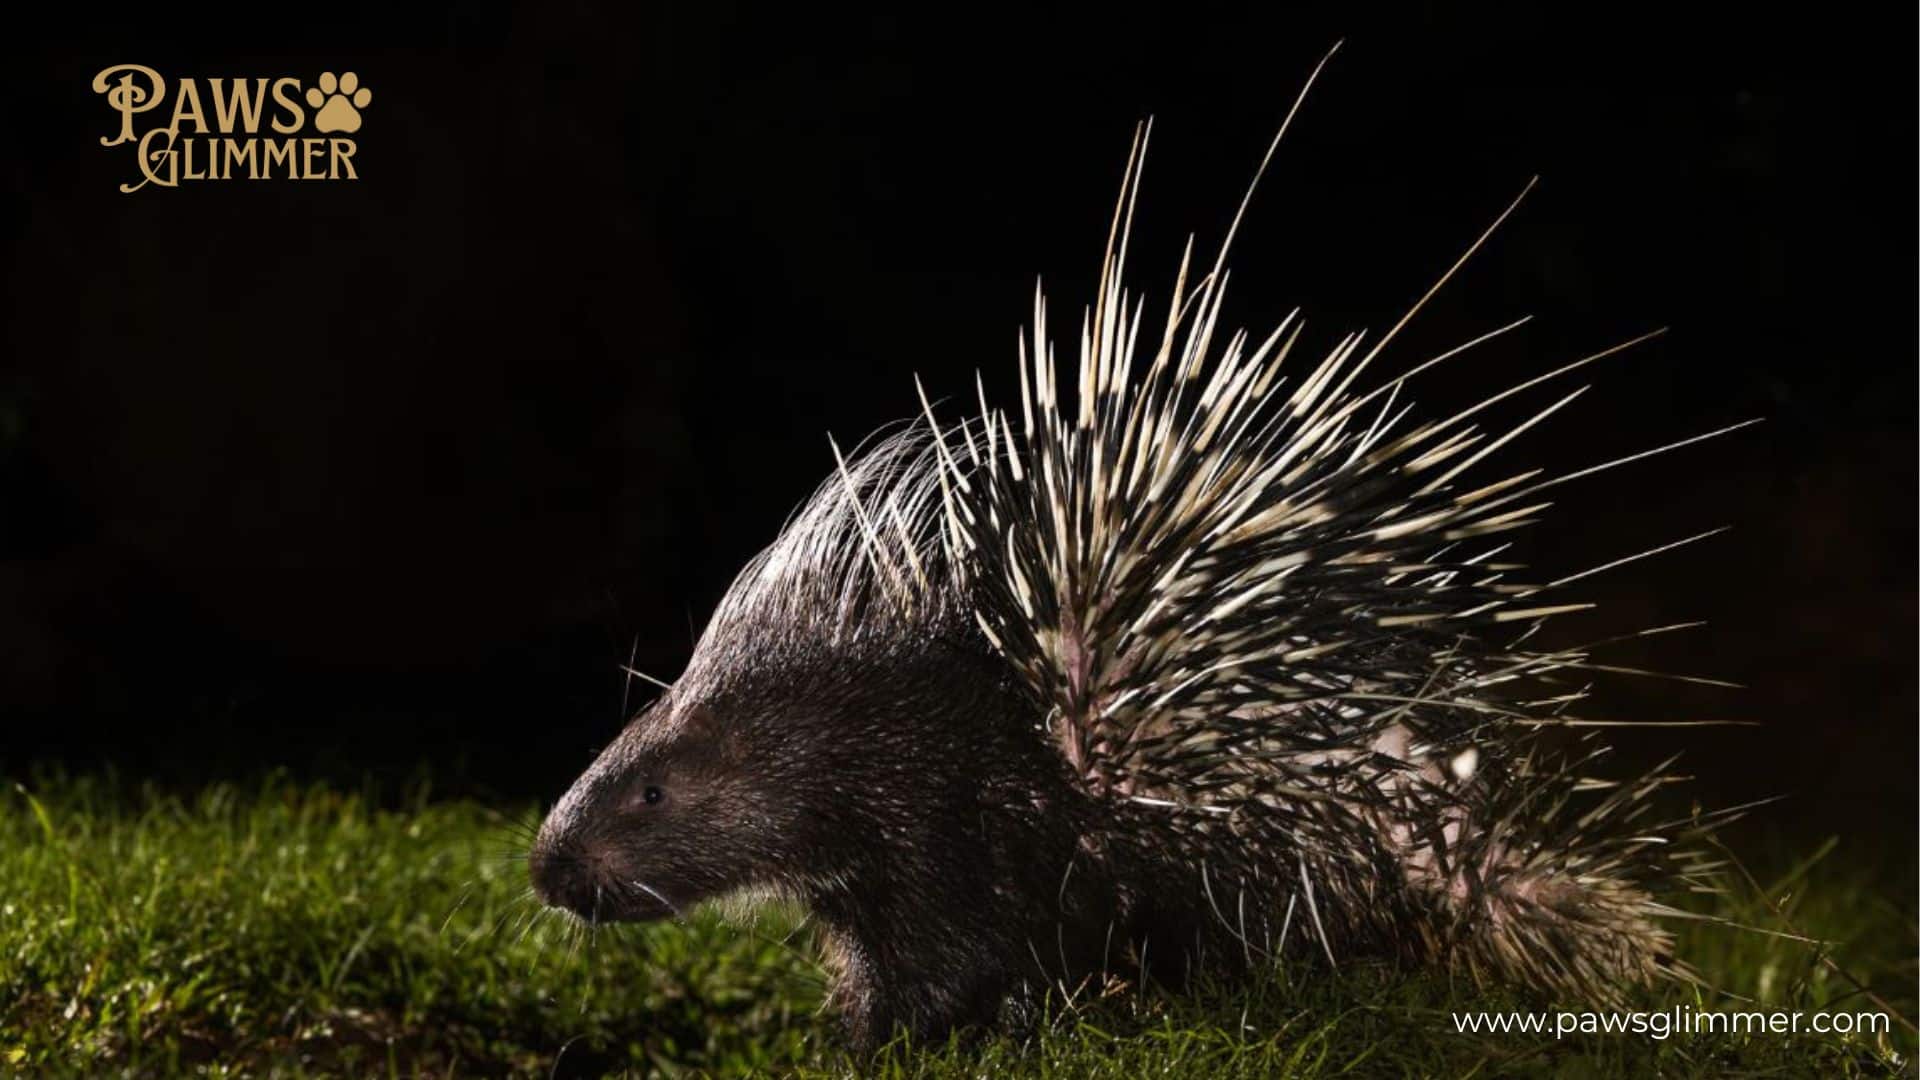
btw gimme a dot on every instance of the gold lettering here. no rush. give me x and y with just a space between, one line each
315 150
128 98
241 152
188 148
188 94
148 157
238 105
342 158
298 115
281 152
186 159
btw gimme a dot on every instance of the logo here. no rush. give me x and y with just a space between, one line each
234 129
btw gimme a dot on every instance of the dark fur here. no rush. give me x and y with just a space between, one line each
902 790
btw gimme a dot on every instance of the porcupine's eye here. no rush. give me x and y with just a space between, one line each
651 795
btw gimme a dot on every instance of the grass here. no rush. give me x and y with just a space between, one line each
287 930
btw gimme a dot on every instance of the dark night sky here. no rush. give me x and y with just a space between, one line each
349 477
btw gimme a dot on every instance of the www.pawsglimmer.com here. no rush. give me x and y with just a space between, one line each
1679 1020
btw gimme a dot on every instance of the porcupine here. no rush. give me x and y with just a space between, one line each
1206 664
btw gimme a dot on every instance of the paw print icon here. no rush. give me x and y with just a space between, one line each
339 101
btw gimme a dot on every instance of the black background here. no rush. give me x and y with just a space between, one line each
359 478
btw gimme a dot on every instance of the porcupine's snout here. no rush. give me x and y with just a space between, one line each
565 878
594 873
664 818
588 858
568 865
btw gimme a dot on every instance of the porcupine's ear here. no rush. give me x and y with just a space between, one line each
701 725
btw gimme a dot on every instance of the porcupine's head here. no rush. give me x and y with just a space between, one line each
836 671
631 838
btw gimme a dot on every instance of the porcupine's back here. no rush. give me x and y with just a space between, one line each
1260 610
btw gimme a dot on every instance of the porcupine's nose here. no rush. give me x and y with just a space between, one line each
563 865
563 877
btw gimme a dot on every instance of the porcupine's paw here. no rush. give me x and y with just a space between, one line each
339 101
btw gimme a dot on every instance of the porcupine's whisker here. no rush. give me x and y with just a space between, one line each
493 926
548 916
656 894
466 893
533 917
540 915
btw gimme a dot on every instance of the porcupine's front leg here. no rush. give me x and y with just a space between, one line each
895 970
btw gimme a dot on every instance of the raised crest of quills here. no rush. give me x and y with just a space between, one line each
248 128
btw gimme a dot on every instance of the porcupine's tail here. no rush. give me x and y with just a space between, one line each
1273 607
